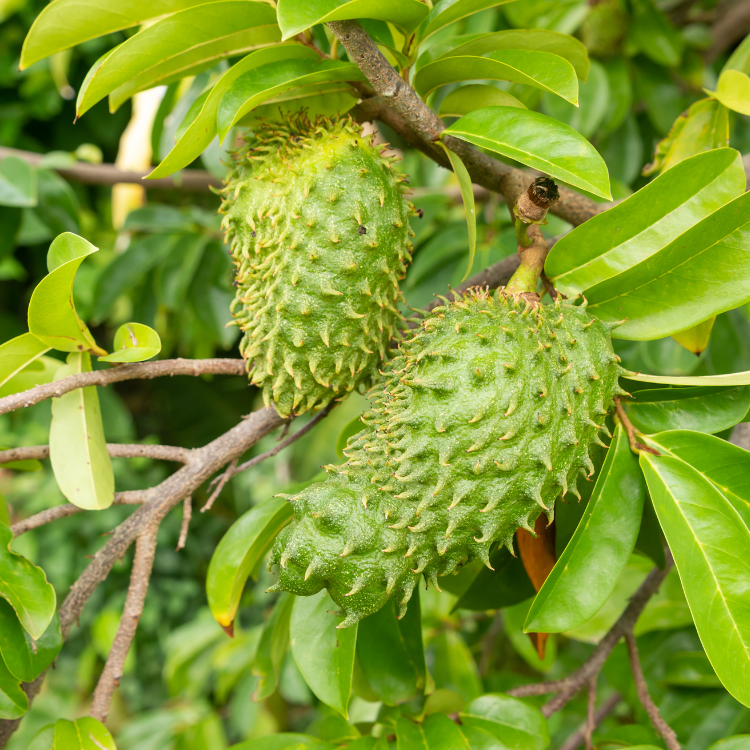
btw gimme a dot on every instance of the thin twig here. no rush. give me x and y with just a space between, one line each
591 712
187 514
145 547
578 737
188 180
635 445
219 485
116 450
139 370
661 726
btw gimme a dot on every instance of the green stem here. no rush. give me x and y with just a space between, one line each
521 234
533 254
524 280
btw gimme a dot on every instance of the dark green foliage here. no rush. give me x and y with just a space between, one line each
480 422
319 234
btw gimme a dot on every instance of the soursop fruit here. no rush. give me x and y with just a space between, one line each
319 234
483 419
605 28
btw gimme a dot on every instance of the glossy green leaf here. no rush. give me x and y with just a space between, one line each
446 12
725 465
654 35
733 91
181 44
201 130
701 409
537 141
504 586
77 448
467 194
19 353
473 96
436 732
541 40
709 542
134 342
704 271
65 23
13 700
24 586
298 15
518 725
272 648
52 315
690 669
384 657
542 70
454 667
17 183
738 742
26 659
82 734
649 542
324 653
260 84
585 575
239 555
619 238
39 371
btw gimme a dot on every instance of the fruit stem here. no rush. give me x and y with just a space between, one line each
635 445
521 234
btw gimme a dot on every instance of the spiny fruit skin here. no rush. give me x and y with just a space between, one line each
481 422
319 234
605 28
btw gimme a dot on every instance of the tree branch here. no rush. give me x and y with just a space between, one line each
661 726
139 370
569 686
143 561
188 180
115 450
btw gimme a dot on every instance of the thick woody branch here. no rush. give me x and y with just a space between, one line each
188 180
569 686
143 561
116 450
139 370
661 726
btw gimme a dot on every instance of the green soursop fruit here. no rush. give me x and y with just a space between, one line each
605 28
319 234
481 422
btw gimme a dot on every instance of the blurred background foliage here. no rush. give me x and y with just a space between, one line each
163 263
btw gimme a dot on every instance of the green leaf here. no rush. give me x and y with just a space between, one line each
740 58
283 741
649 542
436 732
17 183
13 700
585 575
733 91
638 227
201 131
473 96
446 12
52 315
518 725
454 667
733 378
738 742
702 409
725 465
65 23
26 659
39 371
542 70
239 555
541 40
82 734
77 448
690 669
298 15
272 648
704 271
467 193
709 542
324 653
182 44
25 588
384 657
537 141
134 342
19 353
257 86
654 35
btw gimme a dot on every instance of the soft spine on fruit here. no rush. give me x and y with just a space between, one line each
319 234
480 423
